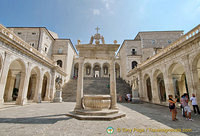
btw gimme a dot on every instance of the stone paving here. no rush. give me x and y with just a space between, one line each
48 119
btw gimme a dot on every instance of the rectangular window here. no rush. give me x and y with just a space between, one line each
19 33
33 33
45 49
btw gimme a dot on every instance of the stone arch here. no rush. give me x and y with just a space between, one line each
117 70
106 69
33 83
76 65
15 80
87 69
134 64
45 87
1 61
176 73
196 76
159 85
147 87
97 69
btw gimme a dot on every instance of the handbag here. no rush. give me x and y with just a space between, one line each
171 106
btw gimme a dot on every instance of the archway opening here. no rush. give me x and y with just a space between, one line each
14 80
44 87
161 87
117 70
179 80
59 63
149 91
134 64
87 70
33 82
76 71
106 70
97 70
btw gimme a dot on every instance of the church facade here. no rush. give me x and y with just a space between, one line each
154 63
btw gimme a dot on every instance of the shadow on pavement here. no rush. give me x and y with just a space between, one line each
163 115
49 119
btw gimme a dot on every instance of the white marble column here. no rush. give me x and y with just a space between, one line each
47 94
113 85
79 92
33 86
168 83
5 69
11 79
23 87
188 73
39 82
52 86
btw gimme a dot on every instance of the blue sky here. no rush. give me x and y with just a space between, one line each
117 19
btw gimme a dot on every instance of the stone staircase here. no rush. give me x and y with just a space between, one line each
94 86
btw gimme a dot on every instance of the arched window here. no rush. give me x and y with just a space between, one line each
133 52
60 51
134 64
59 63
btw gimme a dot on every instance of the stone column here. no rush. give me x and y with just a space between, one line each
168 83
188 74
11 83
5 69
23 87
34 84
39 82
92 72
154 88
79 92
52 86
113 85
102 72
47 94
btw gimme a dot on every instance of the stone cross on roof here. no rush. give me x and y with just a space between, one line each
97 29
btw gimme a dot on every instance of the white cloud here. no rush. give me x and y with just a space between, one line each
96 12
107 4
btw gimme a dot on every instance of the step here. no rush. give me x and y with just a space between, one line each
96 113
100 118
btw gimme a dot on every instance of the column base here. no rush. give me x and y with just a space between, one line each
47 99
136 100
58 96
114 107
78 108
156 100
1 102
21 101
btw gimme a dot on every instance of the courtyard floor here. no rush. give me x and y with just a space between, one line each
48 119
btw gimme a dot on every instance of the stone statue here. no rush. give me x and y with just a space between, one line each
102 39
91 39
79 41
58 83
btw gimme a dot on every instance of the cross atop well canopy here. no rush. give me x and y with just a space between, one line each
97 29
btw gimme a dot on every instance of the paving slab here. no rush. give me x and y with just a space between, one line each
49 119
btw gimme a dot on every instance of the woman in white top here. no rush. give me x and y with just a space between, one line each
194 104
